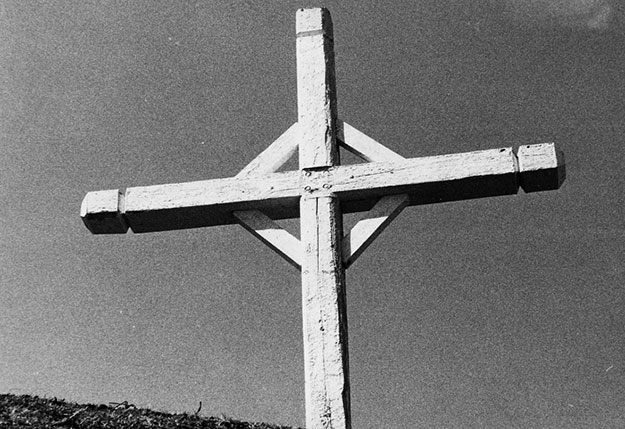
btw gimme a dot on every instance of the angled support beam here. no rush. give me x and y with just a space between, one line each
258 223
364 146
367 229
273 235
274 157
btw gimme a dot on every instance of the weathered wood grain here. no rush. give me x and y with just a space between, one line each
259 224
366 230
316 103
324 315
323 275
364 146
276 154
541 167
425 180
372 223
319 193
102 212
272 234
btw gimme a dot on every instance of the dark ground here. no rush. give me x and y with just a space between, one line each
25 411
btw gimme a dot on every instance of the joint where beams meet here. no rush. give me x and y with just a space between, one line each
316 181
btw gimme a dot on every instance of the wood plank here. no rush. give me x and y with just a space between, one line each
368 229
323 276
426 180
259 224
541 167
102 212
272 234
325 316
211 202
364 146
316 103
272 158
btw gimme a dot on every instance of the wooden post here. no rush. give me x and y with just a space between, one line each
323 273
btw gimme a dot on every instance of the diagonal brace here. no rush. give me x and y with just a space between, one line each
363 146
367 229
272 234
258 223
276 154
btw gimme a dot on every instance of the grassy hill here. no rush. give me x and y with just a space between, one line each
23 411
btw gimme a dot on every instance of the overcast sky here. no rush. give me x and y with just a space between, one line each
499 312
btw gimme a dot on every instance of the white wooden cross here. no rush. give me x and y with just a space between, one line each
319 193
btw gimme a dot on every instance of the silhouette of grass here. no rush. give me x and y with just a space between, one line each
24 411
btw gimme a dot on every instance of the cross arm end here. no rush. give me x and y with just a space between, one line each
102 212
541 167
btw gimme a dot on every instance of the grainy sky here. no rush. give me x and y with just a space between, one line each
500 312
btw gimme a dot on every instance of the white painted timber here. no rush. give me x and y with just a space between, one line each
258 223
316 103
325 321
272 234
364 146
319 193
386 209
541 167
210 202
323 274
426 180
368 229
272 158
102 212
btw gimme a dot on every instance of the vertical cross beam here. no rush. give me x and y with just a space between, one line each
323 274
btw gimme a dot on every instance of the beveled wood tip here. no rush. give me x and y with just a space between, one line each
313 21
101 212
541 167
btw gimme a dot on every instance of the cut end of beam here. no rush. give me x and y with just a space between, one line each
101 211
313 21
541 167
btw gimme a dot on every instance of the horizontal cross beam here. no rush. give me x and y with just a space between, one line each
425 180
